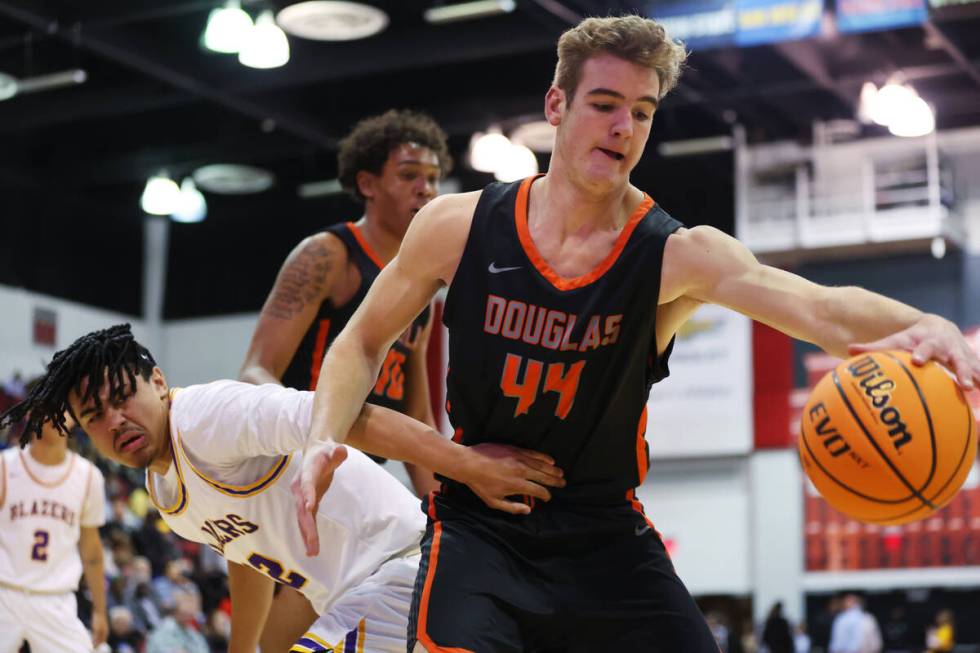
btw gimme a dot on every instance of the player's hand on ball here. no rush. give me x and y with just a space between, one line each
100 628
497 471
932 338
320 461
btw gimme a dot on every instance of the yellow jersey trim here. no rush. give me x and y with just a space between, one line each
180 505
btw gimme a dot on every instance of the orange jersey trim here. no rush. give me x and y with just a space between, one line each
421 633
559 282
364 245
71 466
318 351
638 507
642 459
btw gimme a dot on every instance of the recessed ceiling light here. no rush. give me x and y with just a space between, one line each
332 20
538 135
233 179
8 86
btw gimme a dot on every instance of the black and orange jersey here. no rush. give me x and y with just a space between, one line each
304 369
561 366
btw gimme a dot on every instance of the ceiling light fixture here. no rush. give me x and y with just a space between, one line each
161 196
227 28
233 179
8 87
266 45
468 10
488 150
897 106
539 135
332 20
191 206
518 163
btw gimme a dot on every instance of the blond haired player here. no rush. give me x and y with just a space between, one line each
52 502
564 295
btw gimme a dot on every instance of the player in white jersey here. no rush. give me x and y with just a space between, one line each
221 459
52 502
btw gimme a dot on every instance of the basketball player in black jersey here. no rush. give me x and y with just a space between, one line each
392 163
565 292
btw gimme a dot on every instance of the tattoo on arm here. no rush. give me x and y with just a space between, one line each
300 282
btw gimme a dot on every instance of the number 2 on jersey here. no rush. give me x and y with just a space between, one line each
39 551
556 379
273 569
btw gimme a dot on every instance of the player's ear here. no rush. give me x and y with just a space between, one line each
159 383
366 182
554 105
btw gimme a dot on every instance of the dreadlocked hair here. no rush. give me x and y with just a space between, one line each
108 356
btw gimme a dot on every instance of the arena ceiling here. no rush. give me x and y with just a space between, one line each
73 161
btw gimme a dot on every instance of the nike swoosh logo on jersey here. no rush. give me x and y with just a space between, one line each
495 270
640 530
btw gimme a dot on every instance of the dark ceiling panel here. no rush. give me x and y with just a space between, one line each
74 160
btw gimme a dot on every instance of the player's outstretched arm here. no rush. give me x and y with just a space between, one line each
708 265
304 282
251 596
426 261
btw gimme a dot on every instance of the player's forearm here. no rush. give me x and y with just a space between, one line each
94 572
851 315
348 372
390 434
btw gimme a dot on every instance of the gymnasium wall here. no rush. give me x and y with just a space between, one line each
19 352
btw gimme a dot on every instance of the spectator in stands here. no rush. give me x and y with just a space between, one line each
801 641
123 637
716 624
179 632
854 630
176 577
776 634
941 636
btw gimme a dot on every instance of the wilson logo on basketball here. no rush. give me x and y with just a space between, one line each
878 388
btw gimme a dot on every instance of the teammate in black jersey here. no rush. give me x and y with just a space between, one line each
565 293
392 163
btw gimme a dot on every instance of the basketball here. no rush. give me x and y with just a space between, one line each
886 441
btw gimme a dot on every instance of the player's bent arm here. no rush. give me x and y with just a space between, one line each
707 265
304 282
251 596
493 472
427 260
90 551
419 406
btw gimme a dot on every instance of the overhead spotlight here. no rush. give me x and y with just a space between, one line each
468 10
916 118
489 150
266 46
332 20
227 29
890 101
518 163
539 135
8 87
161 196
869 94
191 207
